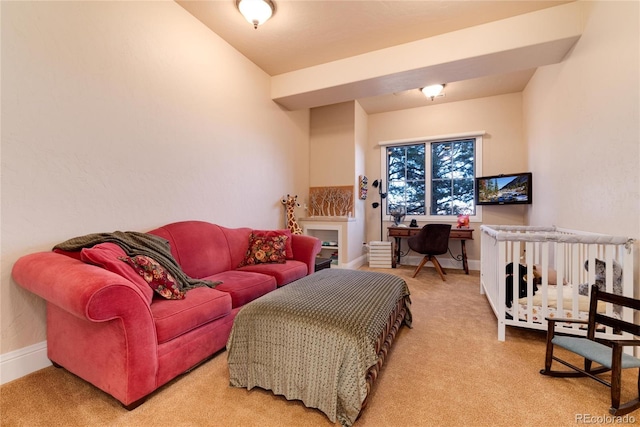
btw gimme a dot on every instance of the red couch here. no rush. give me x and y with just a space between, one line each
111 329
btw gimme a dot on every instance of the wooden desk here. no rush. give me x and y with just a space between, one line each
461 234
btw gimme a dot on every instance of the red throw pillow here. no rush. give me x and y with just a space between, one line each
263 250
155 275
271 233
107 256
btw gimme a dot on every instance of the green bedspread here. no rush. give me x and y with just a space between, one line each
314 339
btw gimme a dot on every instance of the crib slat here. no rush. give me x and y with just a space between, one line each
502 262
529 254
515 292
578 253
560 261
545 278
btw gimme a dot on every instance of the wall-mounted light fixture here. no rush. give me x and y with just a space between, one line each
257 12
432 91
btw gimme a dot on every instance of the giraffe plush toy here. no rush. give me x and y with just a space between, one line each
291 203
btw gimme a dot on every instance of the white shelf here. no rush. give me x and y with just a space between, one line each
326 232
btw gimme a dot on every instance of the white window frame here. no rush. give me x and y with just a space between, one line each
478 135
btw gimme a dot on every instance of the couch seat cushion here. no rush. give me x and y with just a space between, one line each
283 273
200 306
244 286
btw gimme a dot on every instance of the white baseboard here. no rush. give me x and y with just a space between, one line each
358 262
473 264
24 361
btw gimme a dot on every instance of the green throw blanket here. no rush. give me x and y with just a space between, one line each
134 243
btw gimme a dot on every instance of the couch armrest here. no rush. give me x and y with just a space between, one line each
99 324
86 291
305 249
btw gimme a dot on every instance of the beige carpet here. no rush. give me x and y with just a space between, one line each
449 370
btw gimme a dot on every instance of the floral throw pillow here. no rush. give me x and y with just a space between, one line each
155 275
265 249
288 250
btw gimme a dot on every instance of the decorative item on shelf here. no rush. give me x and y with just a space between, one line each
363 187
378 184
291 202
414 223
463 221
398 213
331 201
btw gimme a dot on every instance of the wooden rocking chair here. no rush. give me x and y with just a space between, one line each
608 354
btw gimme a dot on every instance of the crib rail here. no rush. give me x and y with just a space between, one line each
557 278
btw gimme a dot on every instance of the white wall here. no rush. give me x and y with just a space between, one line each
127 116
332 152
357 236
337 135
504 150
583 130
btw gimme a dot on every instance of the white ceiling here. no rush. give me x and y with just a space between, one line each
306 33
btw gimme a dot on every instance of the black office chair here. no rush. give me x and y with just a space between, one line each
432 240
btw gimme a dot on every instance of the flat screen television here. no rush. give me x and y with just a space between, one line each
504 189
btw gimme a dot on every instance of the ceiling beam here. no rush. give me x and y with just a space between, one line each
521 42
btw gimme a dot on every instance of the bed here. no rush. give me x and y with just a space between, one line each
528 273
321 339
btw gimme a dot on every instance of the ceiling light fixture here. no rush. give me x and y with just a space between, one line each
432 91
257 12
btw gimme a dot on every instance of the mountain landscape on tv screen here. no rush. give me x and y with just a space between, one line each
511 189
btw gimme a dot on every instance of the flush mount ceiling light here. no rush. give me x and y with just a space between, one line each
432 91
257 12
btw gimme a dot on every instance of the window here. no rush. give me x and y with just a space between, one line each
433 178
406 178
452 177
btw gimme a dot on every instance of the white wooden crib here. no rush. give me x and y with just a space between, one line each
559 257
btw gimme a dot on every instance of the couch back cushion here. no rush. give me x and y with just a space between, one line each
238 239
201 248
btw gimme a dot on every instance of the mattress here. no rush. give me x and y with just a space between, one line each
537 314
